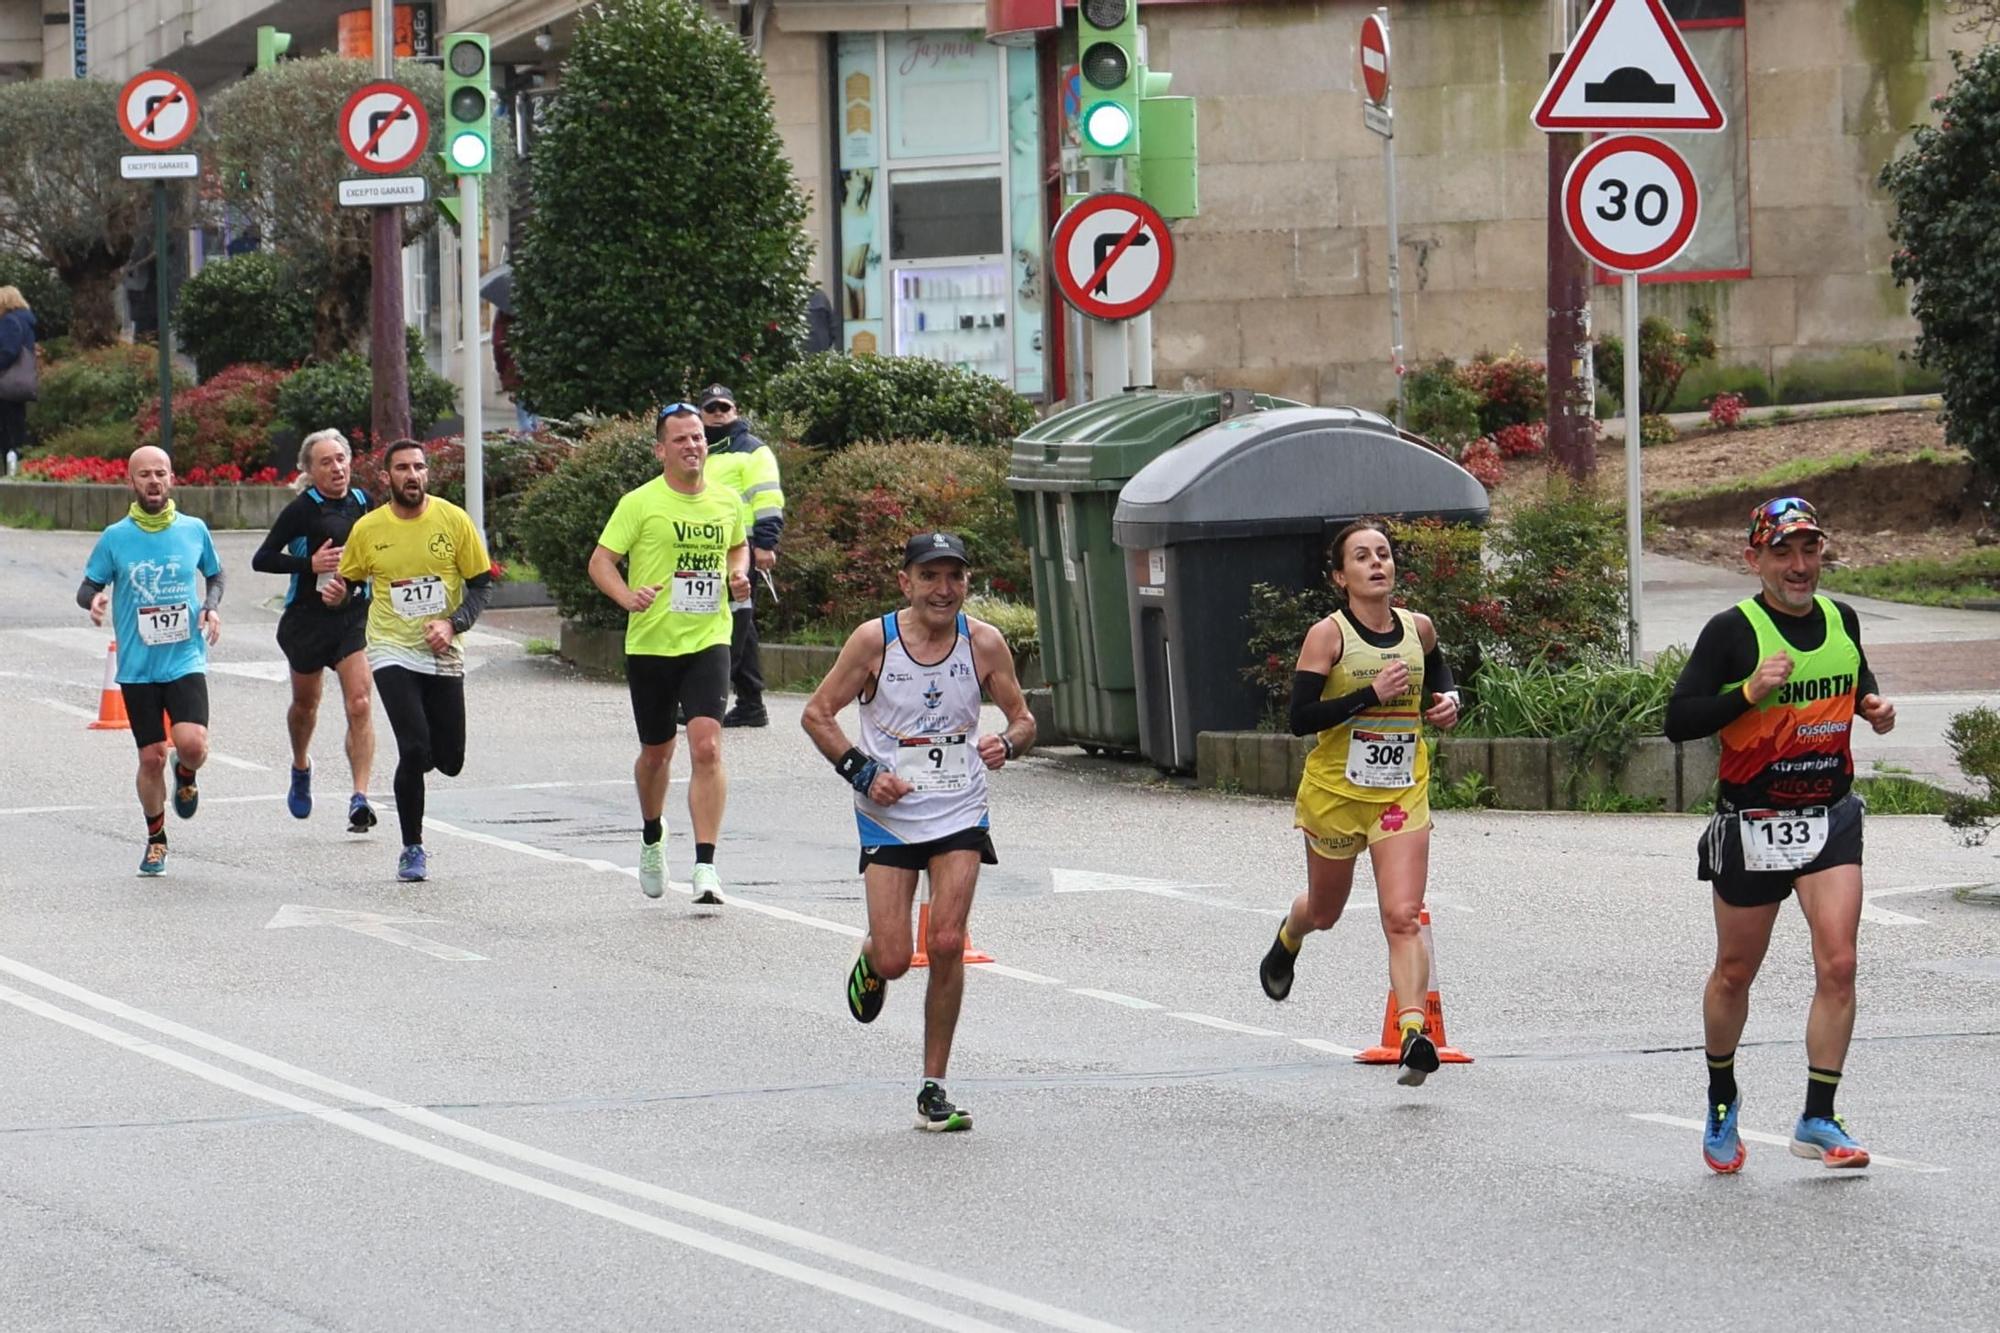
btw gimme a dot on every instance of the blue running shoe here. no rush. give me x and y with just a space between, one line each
187 797
412 865
155 860
360 814
1826 1138
299 800
1721 1146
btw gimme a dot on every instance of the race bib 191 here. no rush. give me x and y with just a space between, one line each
698 590
934 763
162 625
420 598
1780 840
1386 759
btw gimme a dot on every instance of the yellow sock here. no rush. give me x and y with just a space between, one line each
1285 936
1410 1020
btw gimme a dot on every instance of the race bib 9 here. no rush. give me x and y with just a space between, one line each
420 598
697 590
1386 759
935 763
1780 840
162 625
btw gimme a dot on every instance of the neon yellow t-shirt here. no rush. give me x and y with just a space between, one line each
680 544
418 567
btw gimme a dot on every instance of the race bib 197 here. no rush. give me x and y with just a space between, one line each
697 590
934 763
1780 840
1386 759
162 625
420 598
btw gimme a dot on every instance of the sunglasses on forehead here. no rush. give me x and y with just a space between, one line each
676 409
1787 507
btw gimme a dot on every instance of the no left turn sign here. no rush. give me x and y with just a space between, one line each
157 111
1112 255
1630 203
383 127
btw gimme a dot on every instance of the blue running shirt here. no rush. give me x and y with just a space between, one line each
155 602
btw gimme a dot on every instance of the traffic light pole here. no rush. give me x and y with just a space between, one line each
388 344
468 304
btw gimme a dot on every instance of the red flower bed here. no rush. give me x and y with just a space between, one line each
1482 459
111 472
225 420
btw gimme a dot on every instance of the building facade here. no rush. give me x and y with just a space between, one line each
933 165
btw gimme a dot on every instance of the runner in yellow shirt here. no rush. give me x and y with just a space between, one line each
686 559
430 577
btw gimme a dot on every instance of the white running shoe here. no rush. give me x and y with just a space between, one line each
707 887
653 868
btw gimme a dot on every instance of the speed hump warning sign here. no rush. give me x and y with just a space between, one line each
1112 256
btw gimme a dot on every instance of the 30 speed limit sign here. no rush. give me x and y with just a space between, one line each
1630 203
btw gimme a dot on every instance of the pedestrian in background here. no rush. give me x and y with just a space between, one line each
19 371
744 465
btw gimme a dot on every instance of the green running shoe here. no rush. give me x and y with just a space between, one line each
865 991
653 868
935 1112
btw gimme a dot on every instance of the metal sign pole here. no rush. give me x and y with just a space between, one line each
161 312
1634 578
1110 361
1395 275
468 304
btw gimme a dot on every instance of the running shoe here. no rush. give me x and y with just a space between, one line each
154 862
707 886
1419 1059
1721 1146
299 800
360 814
412 865
865 991
1826 1138
653 868
1275 972
936 1113
186 797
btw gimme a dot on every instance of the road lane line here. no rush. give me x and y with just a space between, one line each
91 716
1314 1043
799 1238
1781 1141
777 1265
1018 973
1227 1025
1129 1001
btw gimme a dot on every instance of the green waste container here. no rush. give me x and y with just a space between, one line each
1066 474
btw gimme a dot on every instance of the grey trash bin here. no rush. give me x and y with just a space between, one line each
1253 500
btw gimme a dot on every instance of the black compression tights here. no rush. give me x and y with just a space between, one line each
427 713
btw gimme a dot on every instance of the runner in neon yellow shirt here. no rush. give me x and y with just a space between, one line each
686 559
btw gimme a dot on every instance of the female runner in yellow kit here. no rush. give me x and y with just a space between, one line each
1364 673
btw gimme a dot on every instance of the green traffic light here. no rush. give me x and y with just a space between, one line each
468 150
1107 125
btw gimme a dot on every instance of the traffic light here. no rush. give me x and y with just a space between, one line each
1168 177
468 104
271 46
1107 43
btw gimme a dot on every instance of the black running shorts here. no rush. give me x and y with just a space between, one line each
697 683
1719 856
917 855
316 641
184 699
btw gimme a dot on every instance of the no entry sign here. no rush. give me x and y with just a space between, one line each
1112 256
157 111
1630 203
383 127
1375 60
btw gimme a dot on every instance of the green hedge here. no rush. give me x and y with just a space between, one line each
41 289
341 394
561 518
250 309
833 400
102 387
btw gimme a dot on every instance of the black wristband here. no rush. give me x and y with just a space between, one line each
850 763
1006 745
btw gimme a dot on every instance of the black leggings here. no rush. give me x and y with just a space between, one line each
427 713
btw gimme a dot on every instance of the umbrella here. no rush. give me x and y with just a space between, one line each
497 288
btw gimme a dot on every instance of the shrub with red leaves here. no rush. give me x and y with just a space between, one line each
1725 410
1482 459
111 472
1513 390
226 419
1524 440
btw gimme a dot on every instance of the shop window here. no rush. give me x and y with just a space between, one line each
934 219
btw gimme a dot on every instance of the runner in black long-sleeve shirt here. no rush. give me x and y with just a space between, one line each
324 621
1781 677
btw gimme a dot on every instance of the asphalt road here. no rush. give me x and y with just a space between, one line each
225 1105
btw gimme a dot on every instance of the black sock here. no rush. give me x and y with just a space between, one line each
410 804
651 832
1821 1084
704 853
1722 1079
156 827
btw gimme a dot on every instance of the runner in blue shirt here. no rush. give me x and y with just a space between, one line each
142 572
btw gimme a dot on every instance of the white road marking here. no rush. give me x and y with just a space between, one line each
232 761
1129 1001
1018 973
373 924
797 1237
1316 1044
91 715
1781 1141
1883 916
1100 881
88 714
1227 1025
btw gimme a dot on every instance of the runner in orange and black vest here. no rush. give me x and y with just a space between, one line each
1781 676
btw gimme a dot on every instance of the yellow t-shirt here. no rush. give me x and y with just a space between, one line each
418 568
679 543
1379 754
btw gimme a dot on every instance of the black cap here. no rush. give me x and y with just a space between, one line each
928 546
716 393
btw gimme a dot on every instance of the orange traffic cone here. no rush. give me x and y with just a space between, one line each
922 958
1391 1049
111 699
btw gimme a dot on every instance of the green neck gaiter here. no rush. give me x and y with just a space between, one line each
153 522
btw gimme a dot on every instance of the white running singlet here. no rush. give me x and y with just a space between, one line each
922 723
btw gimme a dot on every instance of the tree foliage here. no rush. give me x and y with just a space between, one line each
61 197
1947 192
273 143
249 309
42 288
667 249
